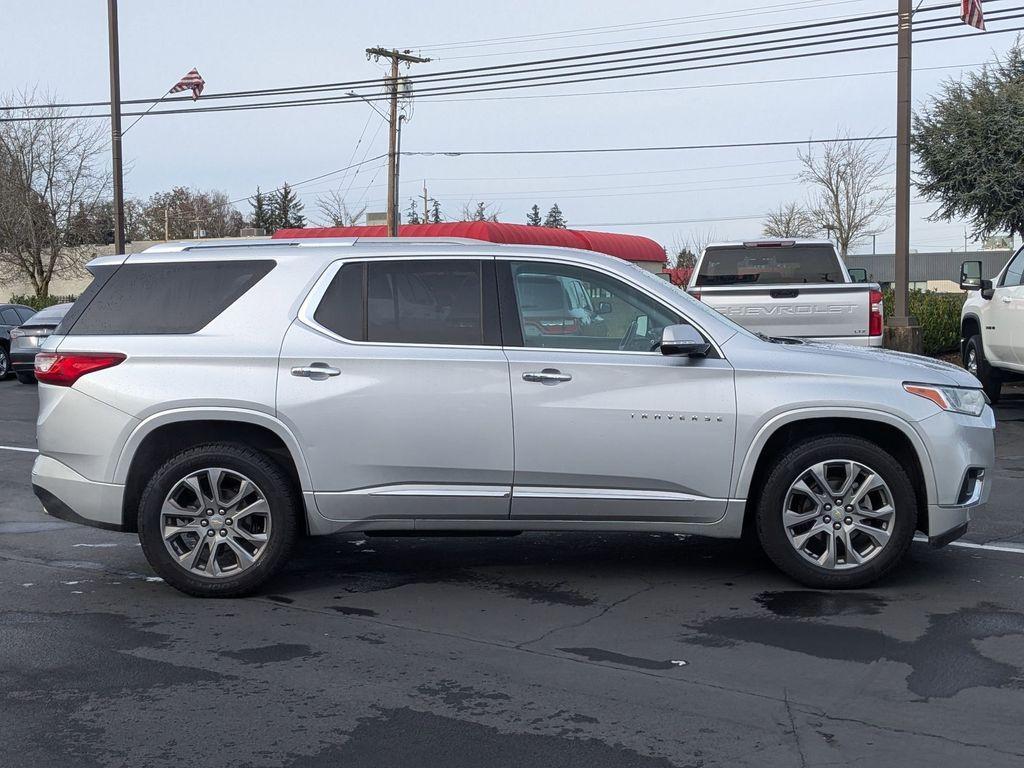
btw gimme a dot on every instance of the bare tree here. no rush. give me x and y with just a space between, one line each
695 241
182 213
335 210
49 170
790 220
480 212
852 189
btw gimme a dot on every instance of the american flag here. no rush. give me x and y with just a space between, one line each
194 82
970 12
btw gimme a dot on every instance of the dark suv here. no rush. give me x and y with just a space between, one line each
11 316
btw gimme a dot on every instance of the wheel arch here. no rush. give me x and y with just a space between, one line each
970 324
894 434
160 436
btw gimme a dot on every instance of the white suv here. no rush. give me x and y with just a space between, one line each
992 324
221 399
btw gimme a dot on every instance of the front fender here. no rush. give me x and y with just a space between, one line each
177 415
744 472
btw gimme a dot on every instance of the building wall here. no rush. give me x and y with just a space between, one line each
927 267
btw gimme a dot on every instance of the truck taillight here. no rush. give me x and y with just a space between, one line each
64 369
875 313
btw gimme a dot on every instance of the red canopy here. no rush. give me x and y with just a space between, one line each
628 247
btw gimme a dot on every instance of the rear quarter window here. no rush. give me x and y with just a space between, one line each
164 298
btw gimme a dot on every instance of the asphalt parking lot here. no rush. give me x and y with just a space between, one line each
539 650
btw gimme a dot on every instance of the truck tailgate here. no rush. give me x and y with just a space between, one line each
800 310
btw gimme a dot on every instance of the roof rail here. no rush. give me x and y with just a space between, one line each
200 245
422 241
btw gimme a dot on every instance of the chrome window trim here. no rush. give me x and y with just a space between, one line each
316 294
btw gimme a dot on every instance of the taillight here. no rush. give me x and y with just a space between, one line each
64 369
875 313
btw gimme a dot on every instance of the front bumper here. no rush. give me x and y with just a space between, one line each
67 495
960 447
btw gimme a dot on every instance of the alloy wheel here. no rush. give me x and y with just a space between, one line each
4 364
838 514
972 361
215 522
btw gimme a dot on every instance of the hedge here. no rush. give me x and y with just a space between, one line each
939 316
37 302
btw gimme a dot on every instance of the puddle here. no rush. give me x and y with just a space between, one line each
599 654
809 604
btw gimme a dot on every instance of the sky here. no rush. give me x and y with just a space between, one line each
60 48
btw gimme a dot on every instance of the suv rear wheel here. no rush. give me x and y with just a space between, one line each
837 512
217 520
5 363
977 365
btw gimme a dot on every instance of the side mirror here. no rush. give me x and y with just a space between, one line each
683 340
858 274
603 308
970 276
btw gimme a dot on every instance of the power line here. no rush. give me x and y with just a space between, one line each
429 77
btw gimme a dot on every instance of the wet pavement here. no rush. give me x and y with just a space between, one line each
538 650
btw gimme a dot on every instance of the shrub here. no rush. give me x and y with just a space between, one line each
939 316
37 302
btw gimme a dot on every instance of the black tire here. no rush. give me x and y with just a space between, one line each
784 472
25 378
5 363
990 378
283 500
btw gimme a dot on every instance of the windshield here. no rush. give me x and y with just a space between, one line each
737 265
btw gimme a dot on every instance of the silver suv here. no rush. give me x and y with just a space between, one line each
222 399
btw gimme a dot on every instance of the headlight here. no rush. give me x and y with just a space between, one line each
956 399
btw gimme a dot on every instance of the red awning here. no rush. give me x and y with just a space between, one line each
628 247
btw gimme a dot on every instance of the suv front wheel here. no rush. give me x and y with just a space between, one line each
978 366
217 520
836 512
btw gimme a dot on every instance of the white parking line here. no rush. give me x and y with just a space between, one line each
15 448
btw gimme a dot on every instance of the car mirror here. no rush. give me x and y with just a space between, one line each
858 275
970 276
604 308
683 340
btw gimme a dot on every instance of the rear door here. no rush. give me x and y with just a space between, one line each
394 382
606 428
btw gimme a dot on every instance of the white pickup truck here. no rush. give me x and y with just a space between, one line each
790 288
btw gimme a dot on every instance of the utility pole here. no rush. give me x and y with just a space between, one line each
426 211
396 57
115 126
903 332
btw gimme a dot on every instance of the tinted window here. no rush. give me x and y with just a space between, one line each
10 317
1015 270
341 308
443 301
607 314
180 297
26 313
424 302
770 266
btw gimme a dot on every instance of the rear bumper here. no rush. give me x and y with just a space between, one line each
853 341
67 495
23 362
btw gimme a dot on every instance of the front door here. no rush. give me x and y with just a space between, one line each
606 428
1005 316
396 387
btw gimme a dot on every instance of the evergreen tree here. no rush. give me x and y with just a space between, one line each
555 219
286 209
533 217
261 214
413 217
435 212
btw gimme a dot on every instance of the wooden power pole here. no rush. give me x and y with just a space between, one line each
426 210
396 58
902 331
115 126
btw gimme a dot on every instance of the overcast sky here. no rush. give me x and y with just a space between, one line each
60 46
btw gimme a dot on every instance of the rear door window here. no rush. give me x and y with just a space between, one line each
418 301
166 298
10 317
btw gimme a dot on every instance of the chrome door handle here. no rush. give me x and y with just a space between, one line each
547 376
315 371
1006 299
